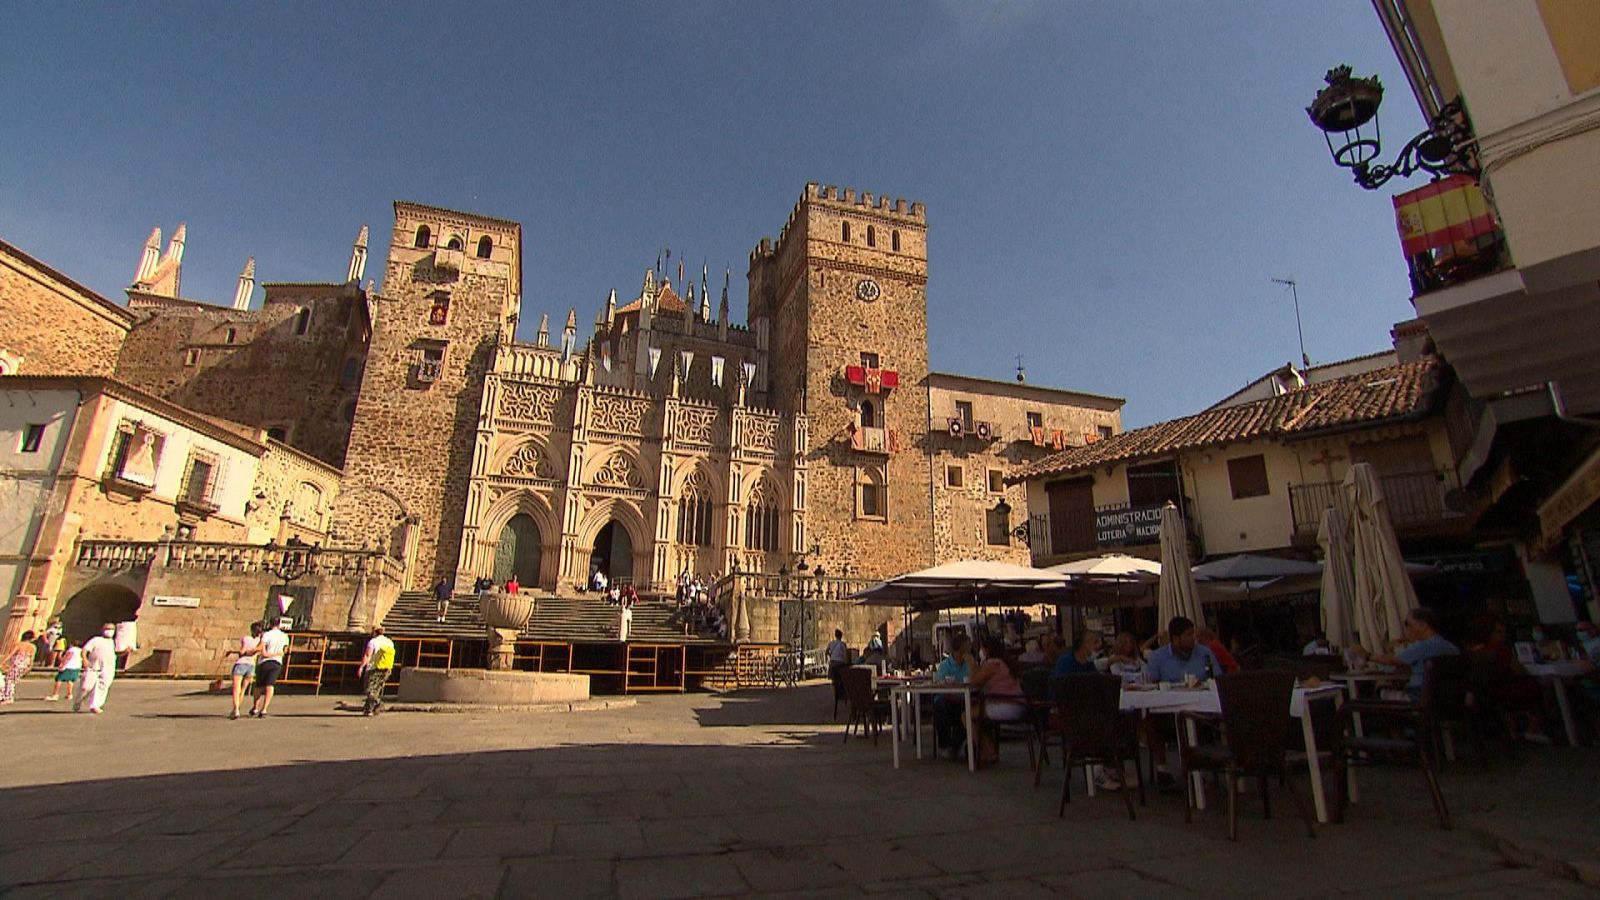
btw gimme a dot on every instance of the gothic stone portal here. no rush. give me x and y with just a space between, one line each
613 553
519 551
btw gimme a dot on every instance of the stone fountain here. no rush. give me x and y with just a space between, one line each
501 684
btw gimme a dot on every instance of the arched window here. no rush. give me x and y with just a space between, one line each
485 247
761 519
232 334
844 231
869 416
302 321
872 496
894 240
454 243
424 237
278 433
872 237
694 511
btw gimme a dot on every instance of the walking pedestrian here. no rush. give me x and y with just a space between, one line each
441 598
376 663
244 668
126 639
269 667
69 672
99 670
56 642
15 665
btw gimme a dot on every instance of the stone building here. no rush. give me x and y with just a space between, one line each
53 325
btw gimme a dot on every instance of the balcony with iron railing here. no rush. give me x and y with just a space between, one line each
1111 527
1418 503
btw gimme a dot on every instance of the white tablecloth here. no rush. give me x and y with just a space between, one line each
1180 700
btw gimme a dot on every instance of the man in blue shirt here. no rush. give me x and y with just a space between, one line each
949 715
1422 631
1183 655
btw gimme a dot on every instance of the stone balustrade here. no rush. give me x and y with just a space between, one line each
241 558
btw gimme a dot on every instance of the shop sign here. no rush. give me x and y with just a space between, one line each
1128 525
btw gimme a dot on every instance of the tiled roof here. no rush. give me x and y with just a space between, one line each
1368 398
666 301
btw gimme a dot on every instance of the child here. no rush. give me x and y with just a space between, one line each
71 668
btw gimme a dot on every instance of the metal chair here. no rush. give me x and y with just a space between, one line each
1411 737
867 710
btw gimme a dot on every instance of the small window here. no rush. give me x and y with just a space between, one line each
440 313
197 485
872 237
954 476
433 355
32 437
136 455
191 357
1035 420
454 243
872 501
351 373
872 496
1104 431
894 240
1248 476
485 247
278 433
844 232
997 530
997 481
348 411
233 333
869 415
964 413
869 360
424 237
302 321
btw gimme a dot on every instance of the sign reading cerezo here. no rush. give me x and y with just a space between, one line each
1128 525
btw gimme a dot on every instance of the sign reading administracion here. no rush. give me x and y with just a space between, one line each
1128 525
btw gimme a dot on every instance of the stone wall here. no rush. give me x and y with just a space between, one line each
292 367
961 512
294 496
53 325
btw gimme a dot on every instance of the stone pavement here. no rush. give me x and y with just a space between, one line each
686 796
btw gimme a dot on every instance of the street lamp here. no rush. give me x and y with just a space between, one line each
296 560
1002 510
801 589
1348 104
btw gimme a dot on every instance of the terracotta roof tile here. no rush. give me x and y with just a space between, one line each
1362 399
666 301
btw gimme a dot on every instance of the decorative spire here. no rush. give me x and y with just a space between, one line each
150 256
611 308
722 308
358 258
247 284
544 330
569 334
705 295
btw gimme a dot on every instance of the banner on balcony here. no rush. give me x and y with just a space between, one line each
1441 214
1128 525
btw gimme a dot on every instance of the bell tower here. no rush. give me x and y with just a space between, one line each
842 295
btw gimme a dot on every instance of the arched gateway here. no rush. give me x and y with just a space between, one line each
613 553
519 551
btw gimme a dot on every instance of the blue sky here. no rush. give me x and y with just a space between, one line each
1109 186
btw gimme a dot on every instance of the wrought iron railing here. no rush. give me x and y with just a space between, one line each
1414 500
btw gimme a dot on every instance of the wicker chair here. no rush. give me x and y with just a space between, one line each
1093 730
1254 741
1410 736
867 710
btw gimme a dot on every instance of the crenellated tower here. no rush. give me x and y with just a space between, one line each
840 300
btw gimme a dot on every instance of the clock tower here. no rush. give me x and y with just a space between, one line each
840 300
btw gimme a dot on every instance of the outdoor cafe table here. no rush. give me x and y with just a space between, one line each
1188 700
1558 673
911 693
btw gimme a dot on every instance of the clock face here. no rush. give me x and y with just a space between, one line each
867 290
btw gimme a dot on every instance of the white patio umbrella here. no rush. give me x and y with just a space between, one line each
1177 595
1382 586
1339 621
1111 566
966 582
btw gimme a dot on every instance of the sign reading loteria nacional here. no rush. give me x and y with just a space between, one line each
1128 525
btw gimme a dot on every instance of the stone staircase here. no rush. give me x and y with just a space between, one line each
562 619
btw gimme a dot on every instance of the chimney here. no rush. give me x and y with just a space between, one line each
247 284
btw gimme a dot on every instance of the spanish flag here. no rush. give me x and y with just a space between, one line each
1440 214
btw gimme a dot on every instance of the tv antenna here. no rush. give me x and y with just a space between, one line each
1299 329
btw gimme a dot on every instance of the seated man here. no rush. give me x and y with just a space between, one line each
1319 646
1182 655
949 714
1425 643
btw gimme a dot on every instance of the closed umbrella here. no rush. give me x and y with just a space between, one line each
1382 586
1339 621
1177 593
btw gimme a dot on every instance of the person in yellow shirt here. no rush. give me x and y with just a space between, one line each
376 664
